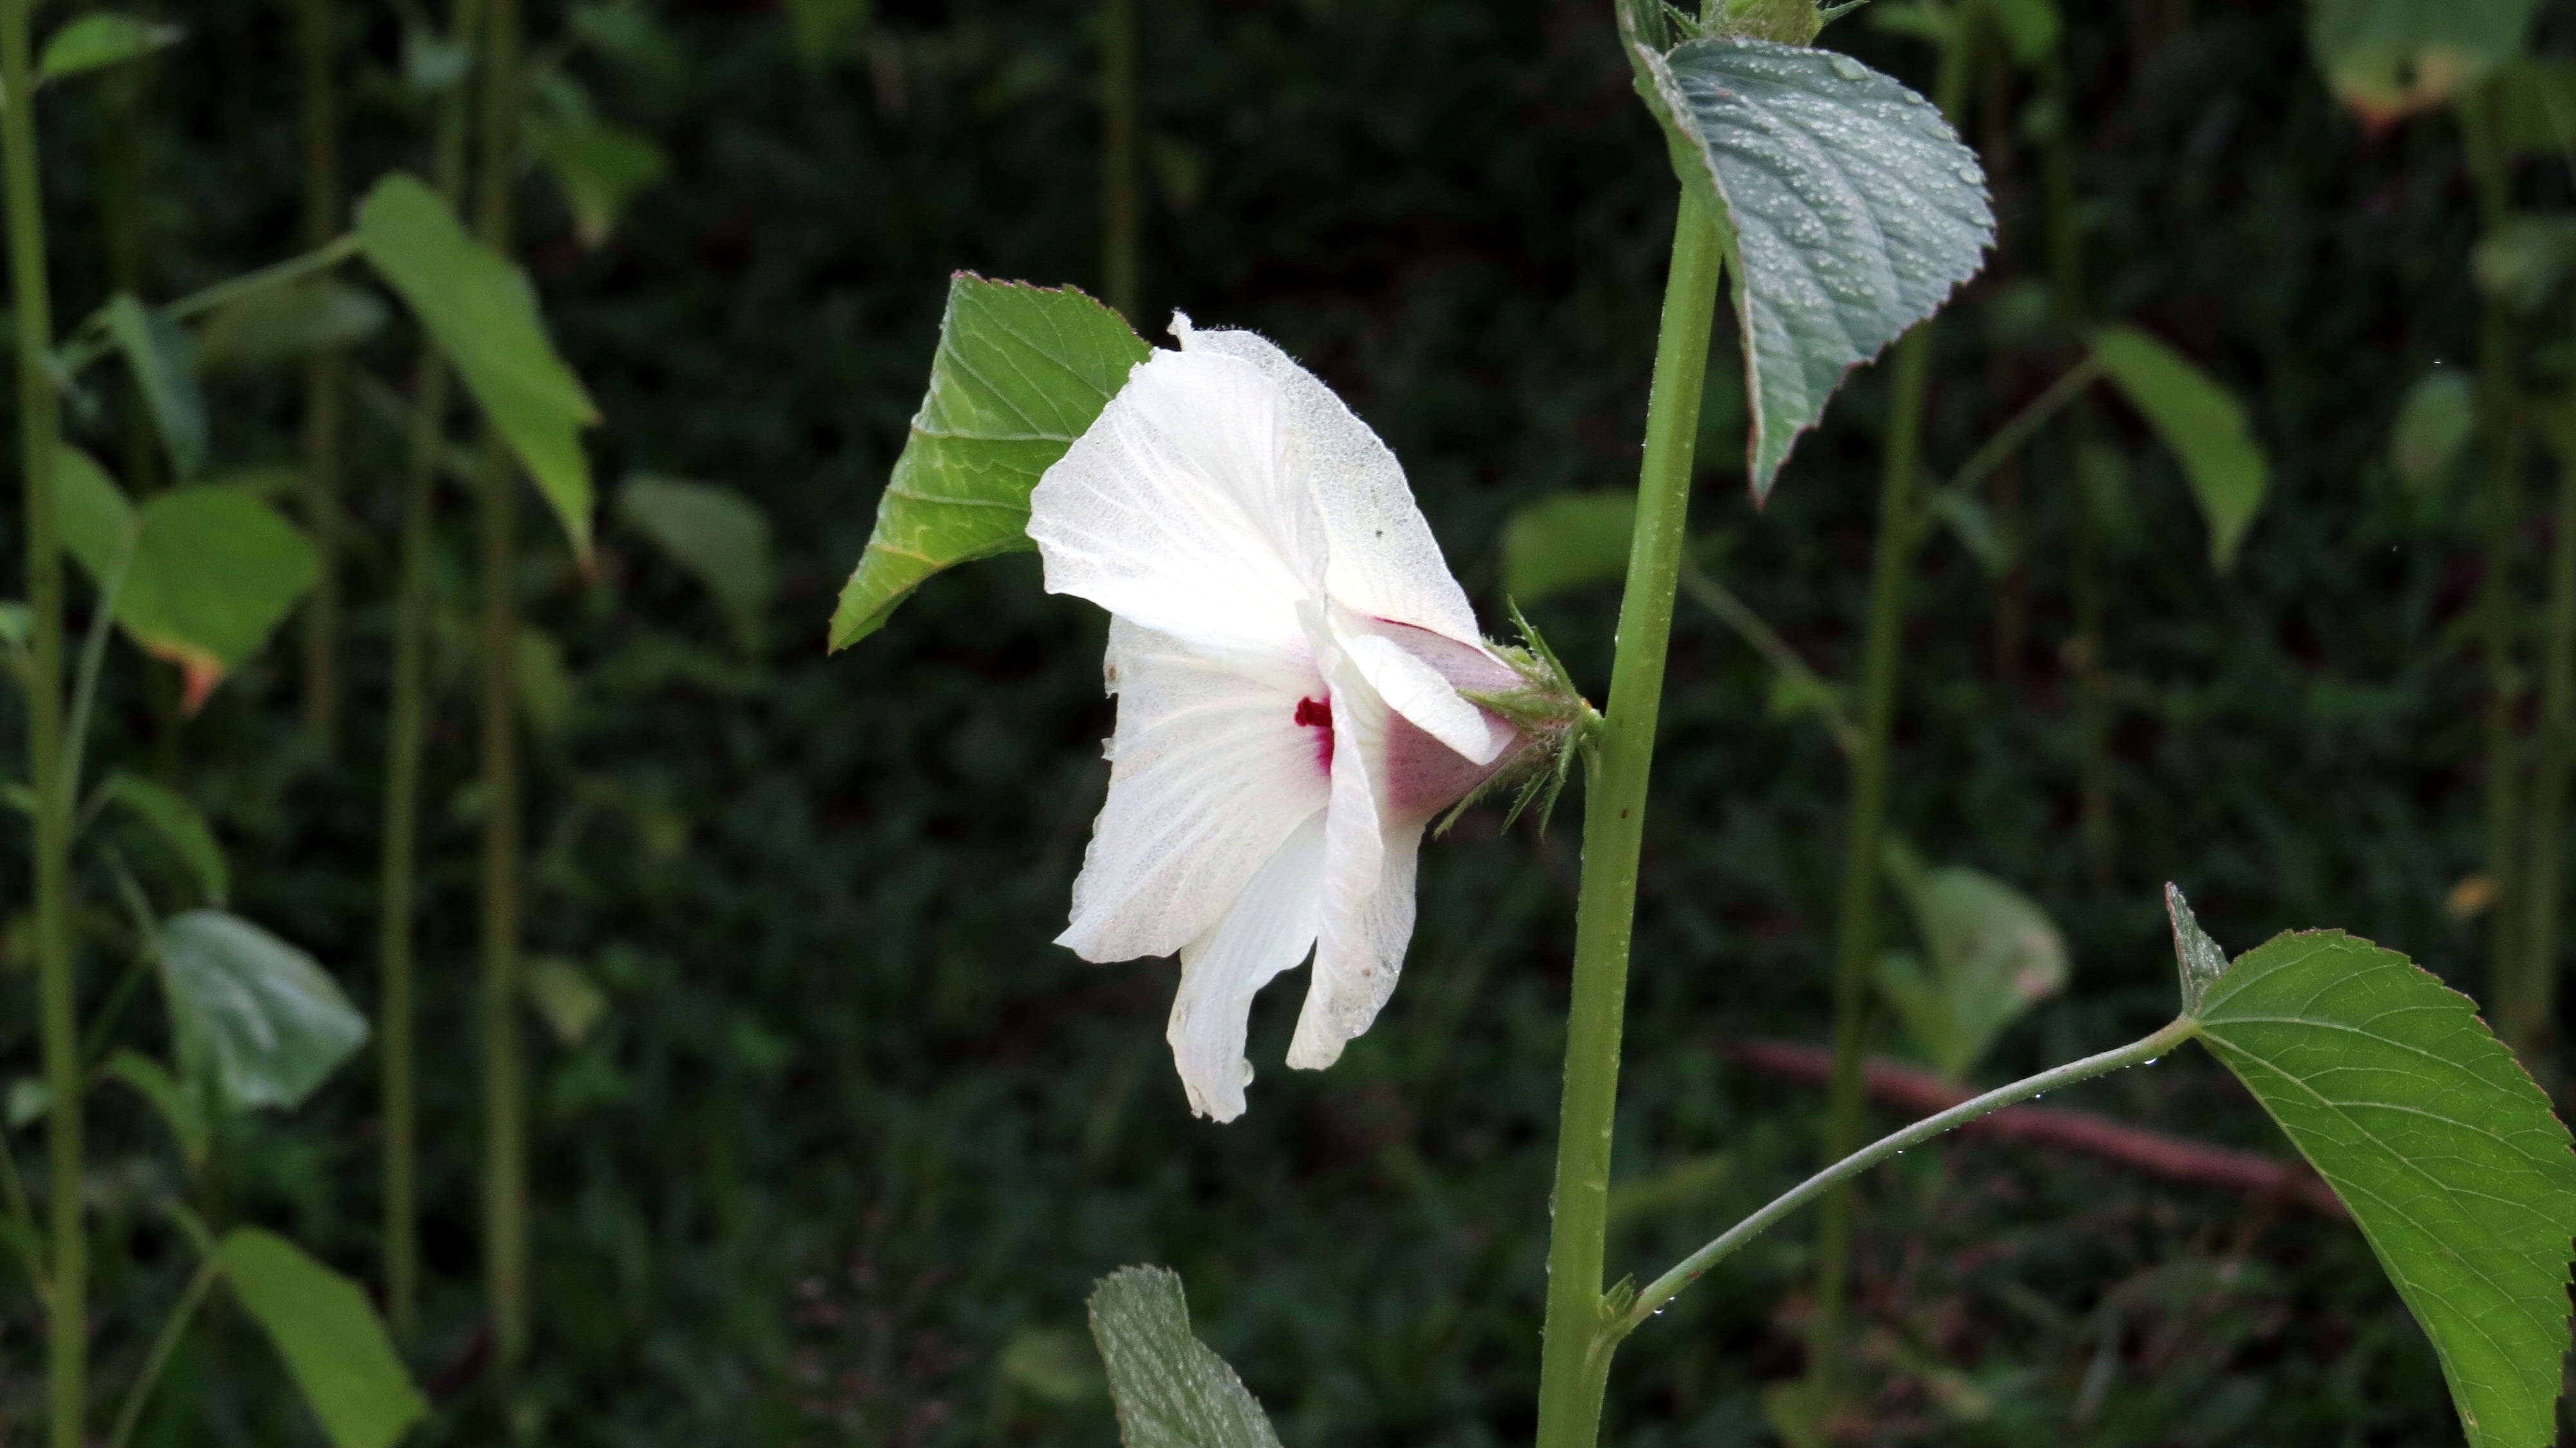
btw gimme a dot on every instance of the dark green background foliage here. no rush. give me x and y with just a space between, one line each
854 1139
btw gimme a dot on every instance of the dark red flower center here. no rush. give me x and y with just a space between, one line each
1317 714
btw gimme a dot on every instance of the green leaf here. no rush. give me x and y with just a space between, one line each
1567 541
334 1345
2535 106
165 371
180 826
714 533
1992 955
2523 262
1172 1392
99 39
215 571
97 522
1852 208
565 998
2030 28
2433 429
253 1013
2388 58
544 684
2442 1147
600 168
1021 371
2202 423
177 1107
482 313
280 323
1050 1365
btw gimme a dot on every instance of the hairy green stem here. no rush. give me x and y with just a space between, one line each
1571 1373
505 1182
1118 155
1856 925
39 435
316 27
1654 1295
174 1328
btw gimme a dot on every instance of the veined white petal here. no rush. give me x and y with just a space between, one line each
1368 879
1270 929
1180 507
1210 773
1383 561
1415 690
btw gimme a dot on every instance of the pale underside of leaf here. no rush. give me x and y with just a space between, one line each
2432 1134
1854 212
1172 1390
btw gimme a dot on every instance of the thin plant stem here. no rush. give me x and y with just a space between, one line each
1571 1372
174 1329
39 434
1652 1298
1119 223
317 36
2500 431
1856 927
505 1183
89 341
1756 631
406 732
2024 425
2544 887
93 657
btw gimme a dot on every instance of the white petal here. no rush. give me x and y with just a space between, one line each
1179 507
1368 881
1270 929
1415 690
1383 560
1209 774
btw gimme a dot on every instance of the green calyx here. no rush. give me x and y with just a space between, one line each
1551 715
1790 22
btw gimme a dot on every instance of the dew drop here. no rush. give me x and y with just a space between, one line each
1848 68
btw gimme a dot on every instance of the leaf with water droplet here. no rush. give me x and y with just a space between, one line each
1852 212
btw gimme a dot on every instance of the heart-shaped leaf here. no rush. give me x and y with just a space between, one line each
252 1013
1020 373
478 307
1853 212
1172 1391
335 1346
2432 1135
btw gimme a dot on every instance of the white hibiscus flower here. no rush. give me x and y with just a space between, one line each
1288 650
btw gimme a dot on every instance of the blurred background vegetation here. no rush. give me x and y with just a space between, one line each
848 1139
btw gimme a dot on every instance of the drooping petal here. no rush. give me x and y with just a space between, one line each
1367 901
1210 773
1179 508
1383 560
1269 930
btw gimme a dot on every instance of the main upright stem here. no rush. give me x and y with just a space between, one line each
405 733
1856 928
317 38
39 432
505 1185
1574 1363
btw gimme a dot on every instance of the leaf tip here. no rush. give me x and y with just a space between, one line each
2197 958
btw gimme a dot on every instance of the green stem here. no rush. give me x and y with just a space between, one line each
1571 1373
1118 161
173 1329
316 40
2500 427
39 434
2537 1039
1856 930
89 341
2024 425
1652 1298
1755 630
505 1183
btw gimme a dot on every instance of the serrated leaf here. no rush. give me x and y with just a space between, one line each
181 826
2388 58
1171 1390
165 371
1853 212
254 1014
2444 1150
478 307
2433 428
1021 371
176 1107
278 324
600 168
334 1345
719 536
99 39
2201 423
1567 541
